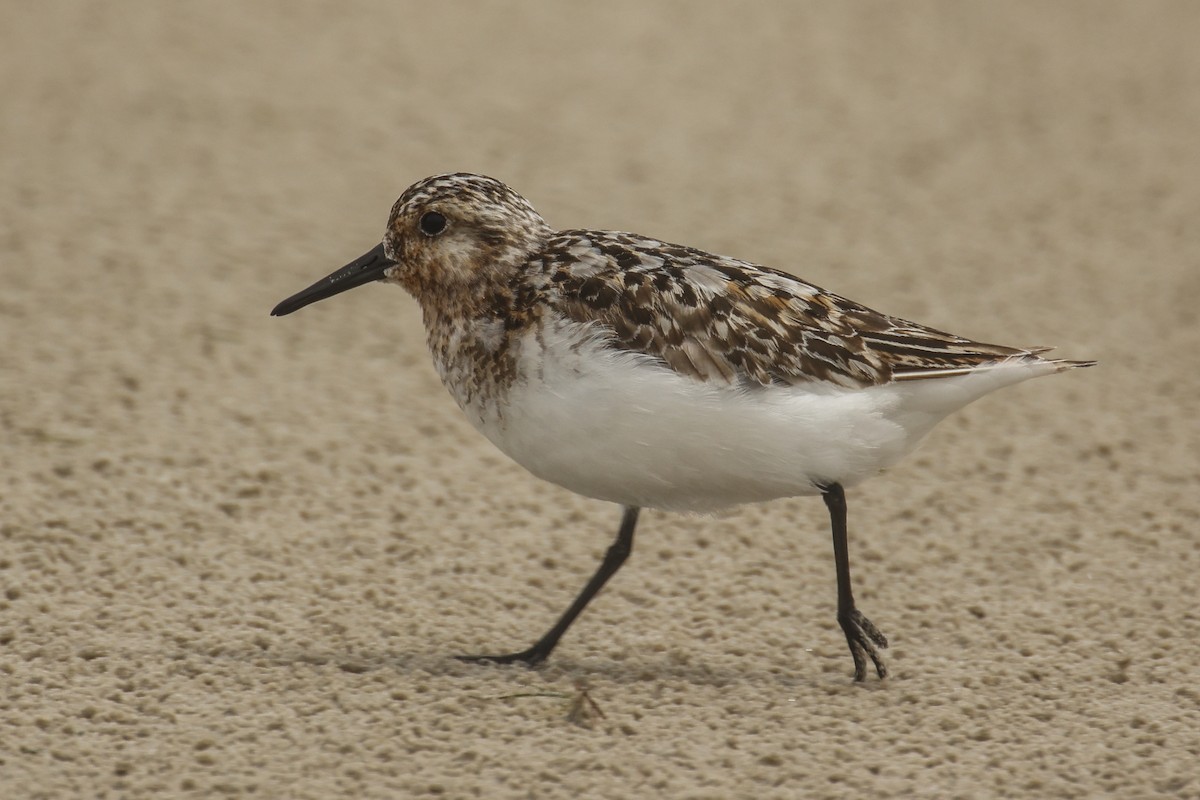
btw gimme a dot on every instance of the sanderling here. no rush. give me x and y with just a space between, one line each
655 375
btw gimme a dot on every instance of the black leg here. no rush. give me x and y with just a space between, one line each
613 559
862 636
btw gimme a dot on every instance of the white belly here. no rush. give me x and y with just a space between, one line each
617 426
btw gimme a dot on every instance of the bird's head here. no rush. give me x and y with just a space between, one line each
446 234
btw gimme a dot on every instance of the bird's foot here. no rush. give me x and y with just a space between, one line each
865 642
530 658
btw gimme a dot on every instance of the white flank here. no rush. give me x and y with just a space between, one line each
617 426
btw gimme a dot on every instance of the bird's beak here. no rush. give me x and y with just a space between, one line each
366 268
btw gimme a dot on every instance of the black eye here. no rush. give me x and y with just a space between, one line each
432 223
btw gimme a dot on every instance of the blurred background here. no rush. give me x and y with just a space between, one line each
236 552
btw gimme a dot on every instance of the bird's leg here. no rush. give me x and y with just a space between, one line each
864 638
613 559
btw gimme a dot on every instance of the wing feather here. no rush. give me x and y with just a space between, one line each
720 319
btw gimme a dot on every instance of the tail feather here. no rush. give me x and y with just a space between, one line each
1064 364
1028 356
948 390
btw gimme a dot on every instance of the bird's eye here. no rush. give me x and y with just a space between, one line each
432 223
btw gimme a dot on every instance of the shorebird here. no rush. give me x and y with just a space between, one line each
655 375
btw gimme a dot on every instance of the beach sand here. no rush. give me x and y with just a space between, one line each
238 553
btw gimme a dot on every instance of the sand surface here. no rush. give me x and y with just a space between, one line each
237 553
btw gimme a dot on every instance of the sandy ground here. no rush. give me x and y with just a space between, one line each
237 553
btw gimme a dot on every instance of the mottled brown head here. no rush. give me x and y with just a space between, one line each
450 236
451 232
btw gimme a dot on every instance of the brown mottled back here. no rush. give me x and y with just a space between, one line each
717 318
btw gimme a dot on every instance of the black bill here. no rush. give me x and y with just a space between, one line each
364 269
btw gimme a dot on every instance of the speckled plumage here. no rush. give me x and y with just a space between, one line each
709 317
715 318
657 375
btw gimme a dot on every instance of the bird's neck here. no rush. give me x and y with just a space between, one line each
474 332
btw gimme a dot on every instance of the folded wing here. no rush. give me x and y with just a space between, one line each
720 319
